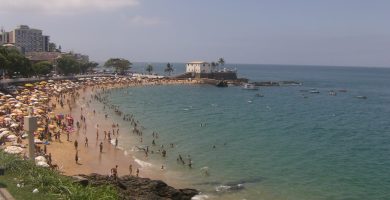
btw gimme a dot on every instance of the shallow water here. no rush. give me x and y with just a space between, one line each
280 146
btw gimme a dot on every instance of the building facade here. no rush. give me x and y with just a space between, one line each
28 39
4 37
199 67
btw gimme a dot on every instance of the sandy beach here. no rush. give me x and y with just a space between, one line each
92 124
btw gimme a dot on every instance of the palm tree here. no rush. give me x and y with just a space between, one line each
149 68
221 61
169 69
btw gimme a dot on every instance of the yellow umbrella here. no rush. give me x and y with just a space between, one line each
28 85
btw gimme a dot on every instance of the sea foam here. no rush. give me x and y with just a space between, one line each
142 163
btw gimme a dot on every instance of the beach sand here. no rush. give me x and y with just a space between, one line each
90 159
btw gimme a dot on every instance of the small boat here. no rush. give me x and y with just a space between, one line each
332 93
222 84
249 86
361 97
259 95
313 91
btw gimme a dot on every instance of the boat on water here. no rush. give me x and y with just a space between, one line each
250 86
314 91
259 95
361 97
332 93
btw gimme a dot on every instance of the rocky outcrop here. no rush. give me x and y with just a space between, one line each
135 188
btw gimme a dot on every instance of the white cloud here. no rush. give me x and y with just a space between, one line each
63 6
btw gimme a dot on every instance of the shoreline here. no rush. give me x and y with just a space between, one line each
76 102
90 159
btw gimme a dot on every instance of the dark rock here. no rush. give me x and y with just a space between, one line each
81 180
131 188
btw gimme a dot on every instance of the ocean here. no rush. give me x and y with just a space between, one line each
288 144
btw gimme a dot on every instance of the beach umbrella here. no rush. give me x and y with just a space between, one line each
17 110
28 85
3 129
11 137
37 141
2 135
8 96
40 159
7 119
42 164
13 149
14 125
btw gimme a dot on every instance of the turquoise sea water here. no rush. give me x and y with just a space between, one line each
280 146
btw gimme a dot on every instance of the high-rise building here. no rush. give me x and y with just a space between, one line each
29 39
4 37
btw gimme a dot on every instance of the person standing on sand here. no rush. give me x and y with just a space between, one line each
76 144
131 169
86 142
116 142
77 157
137 172
101 147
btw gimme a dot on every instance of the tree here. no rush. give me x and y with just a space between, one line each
52 47
3 63
68 65
88 67
120 64
221 61
42 68
18 64
169 69
149 68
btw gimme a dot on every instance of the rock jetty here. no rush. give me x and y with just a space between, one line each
136 188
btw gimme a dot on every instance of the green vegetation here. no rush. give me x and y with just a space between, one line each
50 183
149 68
119 64
169 69
68 64
221 61
42 68
12 62
87 67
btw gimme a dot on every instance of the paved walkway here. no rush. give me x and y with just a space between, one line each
5 195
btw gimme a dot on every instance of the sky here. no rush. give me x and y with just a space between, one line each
301 32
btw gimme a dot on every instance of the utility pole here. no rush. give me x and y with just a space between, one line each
30 125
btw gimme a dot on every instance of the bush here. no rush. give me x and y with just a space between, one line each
52 182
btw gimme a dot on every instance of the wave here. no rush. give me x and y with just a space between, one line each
200 197
226 188
141 163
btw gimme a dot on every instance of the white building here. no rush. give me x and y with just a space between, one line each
199 67
29 39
